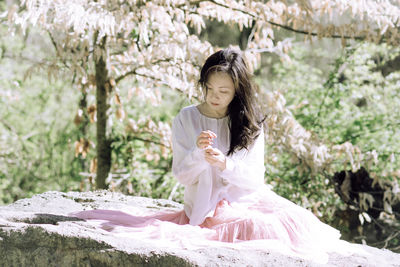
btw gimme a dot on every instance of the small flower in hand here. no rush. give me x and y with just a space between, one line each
205 139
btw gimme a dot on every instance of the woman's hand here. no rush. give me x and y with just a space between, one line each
205 139
215 157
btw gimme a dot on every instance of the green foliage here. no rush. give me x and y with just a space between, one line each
142 161
339 97
37 144
36 133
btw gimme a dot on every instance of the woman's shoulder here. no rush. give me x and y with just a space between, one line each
188 111
190 108
186 117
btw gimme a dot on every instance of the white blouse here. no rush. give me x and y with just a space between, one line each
206 185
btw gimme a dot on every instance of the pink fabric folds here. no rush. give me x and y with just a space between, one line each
112 219
262 220
267 216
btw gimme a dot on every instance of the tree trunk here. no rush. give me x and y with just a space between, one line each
103 143
83 124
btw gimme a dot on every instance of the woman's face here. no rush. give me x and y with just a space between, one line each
220 91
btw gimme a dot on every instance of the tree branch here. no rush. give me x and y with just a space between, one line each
286 27
9 127
131 138
134 72
57 52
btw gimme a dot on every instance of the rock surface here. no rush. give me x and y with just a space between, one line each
39 232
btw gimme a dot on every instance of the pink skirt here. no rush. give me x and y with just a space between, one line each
262 220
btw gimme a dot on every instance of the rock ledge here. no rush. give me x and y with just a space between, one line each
38 232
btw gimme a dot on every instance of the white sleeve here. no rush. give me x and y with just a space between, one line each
188 160
246 172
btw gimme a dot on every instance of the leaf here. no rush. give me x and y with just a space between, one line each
117 98
345 187
85 147
164 152
151 125
387 207
78 117
92 113
366 201
78 148
131 126
120 114
149 156
112 82
367 217
361 218
93 165
11 12
129 187
92 79
376 179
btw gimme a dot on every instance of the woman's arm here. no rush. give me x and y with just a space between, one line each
188 160
246 172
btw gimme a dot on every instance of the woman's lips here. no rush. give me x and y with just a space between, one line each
214 104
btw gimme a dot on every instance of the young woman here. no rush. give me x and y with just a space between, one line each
218 146
218 155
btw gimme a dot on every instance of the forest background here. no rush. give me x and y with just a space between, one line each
332 104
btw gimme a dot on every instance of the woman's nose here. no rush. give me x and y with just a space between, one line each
214 96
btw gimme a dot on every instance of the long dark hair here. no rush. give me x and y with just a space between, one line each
243 111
